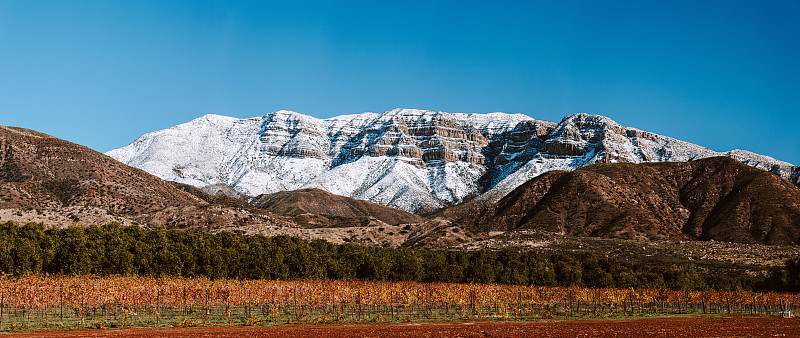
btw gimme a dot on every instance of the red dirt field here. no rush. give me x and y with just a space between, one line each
654 327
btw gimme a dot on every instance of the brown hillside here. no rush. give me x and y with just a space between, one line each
41 171
49 180
219 199
320 202
710 199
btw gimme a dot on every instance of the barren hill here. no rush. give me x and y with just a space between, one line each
41 171
49 180
710 199
320 202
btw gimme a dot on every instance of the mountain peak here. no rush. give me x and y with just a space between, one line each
586 119
214 118
412 159
289 115
283 112
24 131
410 111
413 114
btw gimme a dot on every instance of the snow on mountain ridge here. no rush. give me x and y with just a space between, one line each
411 159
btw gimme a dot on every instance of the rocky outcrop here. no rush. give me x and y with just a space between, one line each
424 138
414 160
710 199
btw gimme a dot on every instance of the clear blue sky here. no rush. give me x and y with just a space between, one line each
722 74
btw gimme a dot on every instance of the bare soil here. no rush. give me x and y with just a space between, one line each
652 327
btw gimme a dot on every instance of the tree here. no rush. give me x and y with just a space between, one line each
481 268
407 267
568 270
793 275
26 257
511 268
540 270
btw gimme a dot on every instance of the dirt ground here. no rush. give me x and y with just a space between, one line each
656 327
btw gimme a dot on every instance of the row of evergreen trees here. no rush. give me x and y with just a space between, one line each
115 249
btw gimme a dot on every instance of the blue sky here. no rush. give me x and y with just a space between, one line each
722 74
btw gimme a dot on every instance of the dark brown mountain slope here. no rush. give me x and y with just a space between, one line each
320 202
715 198
219 199
49 180
41 171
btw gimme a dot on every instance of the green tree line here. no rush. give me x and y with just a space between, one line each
114 249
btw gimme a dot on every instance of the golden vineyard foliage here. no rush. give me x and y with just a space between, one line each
38 292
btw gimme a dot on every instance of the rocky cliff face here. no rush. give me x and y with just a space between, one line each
414 160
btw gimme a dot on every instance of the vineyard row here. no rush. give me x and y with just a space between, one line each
74 300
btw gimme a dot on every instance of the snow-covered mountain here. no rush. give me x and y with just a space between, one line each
414 160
